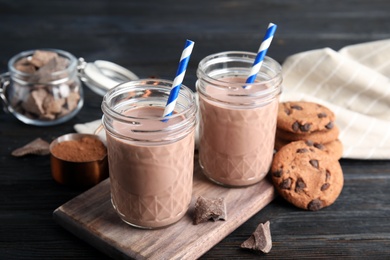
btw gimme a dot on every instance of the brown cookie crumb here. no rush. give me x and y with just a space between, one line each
37 147
260 240
206 209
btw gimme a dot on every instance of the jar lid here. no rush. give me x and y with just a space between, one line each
100 75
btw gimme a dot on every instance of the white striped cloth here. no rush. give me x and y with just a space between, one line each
354 82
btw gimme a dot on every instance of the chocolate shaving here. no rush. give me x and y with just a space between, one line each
260 240
207 209
36 147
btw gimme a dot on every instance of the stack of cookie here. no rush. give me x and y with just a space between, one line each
308 121
306 170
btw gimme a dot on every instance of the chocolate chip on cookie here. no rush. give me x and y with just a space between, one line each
304 117
333 149
306 176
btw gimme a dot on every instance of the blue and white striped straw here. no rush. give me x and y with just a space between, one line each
181 71
269 35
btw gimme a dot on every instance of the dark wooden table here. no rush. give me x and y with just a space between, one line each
147 37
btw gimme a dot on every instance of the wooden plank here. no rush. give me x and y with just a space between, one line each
91 217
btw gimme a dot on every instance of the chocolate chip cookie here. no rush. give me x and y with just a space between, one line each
324 136
304 117
306 176
333 148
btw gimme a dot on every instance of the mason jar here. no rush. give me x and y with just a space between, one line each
150 156
237 119
41 87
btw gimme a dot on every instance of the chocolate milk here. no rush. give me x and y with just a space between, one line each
236 142
151 184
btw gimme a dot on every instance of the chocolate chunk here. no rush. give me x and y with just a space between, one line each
296 107
47 116
286 184
319 146
206 209
72 100
278 173
41 58
34 102
314 163
287 111
322 115
25 66
302 150
260 240
309 143
325 186
37 147
305 127
52 105
295 127
45 73
314 205
329 125
300 185
327 175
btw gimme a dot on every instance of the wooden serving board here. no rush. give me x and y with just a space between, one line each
91 217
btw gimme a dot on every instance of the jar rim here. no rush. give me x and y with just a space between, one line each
214 69
184 118
147 82
246 56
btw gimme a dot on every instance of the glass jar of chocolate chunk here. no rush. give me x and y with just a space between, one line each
42 87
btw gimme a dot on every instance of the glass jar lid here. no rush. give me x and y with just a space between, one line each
100 75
